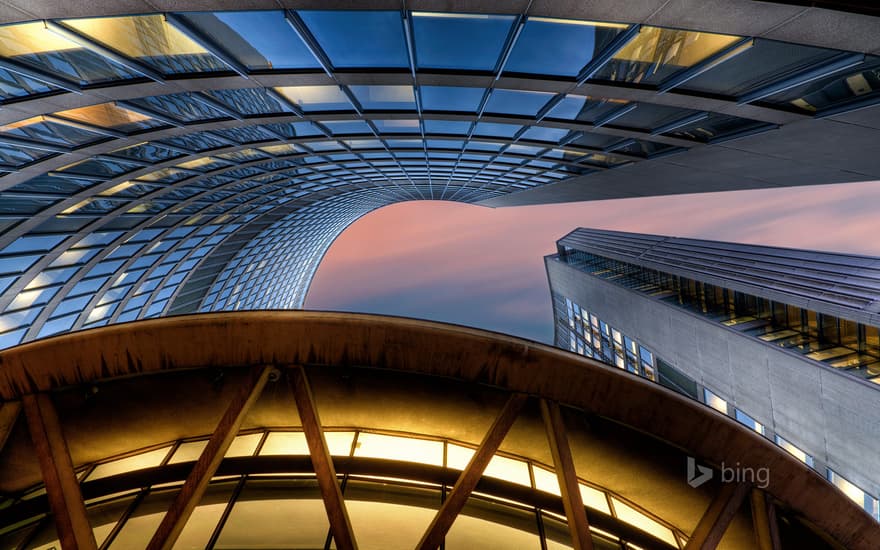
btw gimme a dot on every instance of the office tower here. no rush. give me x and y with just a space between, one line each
785 341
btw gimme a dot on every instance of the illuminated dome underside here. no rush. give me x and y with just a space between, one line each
181 162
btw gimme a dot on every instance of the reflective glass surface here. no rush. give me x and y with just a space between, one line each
355 39
260 40
516 102
840 89
317 98
150 39
715 126
765 62
447 98
35 45
108 115
559 46
469 42
390 98
657 53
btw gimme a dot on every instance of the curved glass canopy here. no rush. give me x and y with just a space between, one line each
166 163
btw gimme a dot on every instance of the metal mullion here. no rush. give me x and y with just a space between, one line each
60 29
59 296
179 23
710 62
519 24
205 99
302 31
40 75
607 54
615 114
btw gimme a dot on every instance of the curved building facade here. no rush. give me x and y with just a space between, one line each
183 161
319 430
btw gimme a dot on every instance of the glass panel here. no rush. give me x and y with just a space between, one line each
484 524
201 524
317 98
715 401
496 130
139 528
539 133
655 54
716 126
509 470
479 40
260 40
130 464
399 448
853 84
108 115
180 107
294 443
387 516
763 63
13 85
588 109
150 39
32 44
188 451
398 126
45 130
249 101
385 97
517 102
632 516
648 116
559 46
446 98
271 505
359 38
594 498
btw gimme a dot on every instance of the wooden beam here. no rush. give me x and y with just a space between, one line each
62 488
198 479
572 501
9 411
340 524
764 521
472 473
718 516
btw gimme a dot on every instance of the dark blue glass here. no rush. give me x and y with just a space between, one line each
496 130
540 133
469 42
447 127
260 40
517 102
393 98
357 39
180 107
558 47
250 101
449 98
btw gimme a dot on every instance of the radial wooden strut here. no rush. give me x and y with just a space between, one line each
62 488
565 473
197 482
468 479
718 516
340 524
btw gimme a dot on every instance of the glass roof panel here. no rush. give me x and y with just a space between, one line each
13 85
584 108
764 62
249 101
540 133
45 130
385 97
648 116
260 40
356 39
108 115
496 130
517 102
447 127
478 44
860 82
150 39
715 126
17 156
180 107
446 98
559 47
317 98
347 127
150 152
400 126
655 54
33 44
